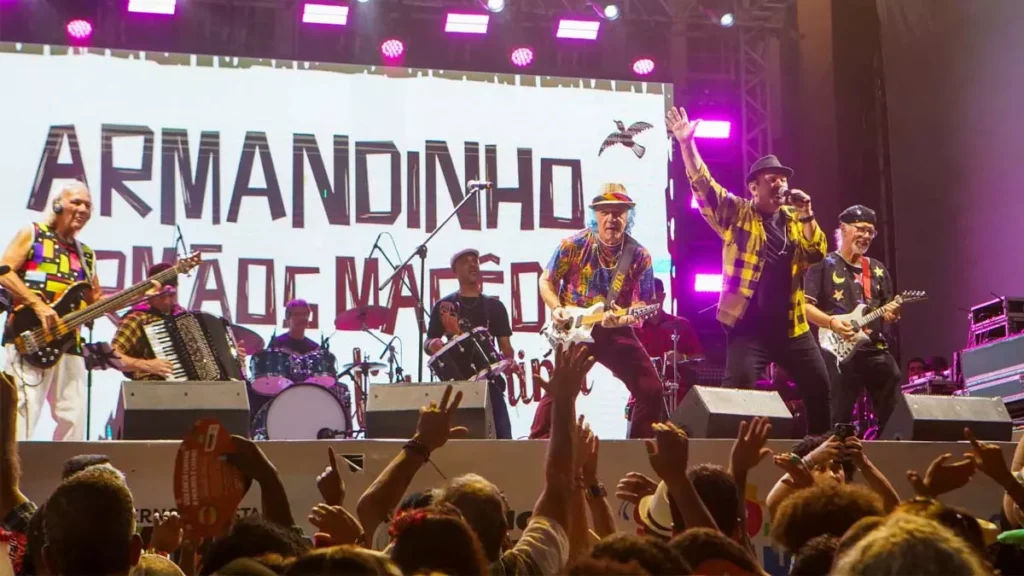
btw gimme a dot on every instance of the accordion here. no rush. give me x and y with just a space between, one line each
198 345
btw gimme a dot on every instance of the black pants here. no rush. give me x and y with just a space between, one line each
499 408
873 370
749 352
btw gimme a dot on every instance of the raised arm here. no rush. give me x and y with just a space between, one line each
10 472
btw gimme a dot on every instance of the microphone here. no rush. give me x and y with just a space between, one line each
475 185
783 193
4 269
376 243
184 247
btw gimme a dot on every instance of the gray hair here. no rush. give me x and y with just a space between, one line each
49 216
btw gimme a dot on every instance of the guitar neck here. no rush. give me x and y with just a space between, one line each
879 313
118 301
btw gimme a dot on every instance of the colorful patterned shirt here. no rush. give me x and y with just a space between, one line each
576 271
743 255
51 265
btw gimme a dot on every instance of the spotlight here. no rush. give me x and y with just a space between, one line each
493 5
362 1
522 57
392 49
79 29
717 129
707 283
643 67
152 6
727 20
611 12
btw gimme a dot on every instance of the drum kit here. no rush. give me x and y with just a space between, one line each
671 363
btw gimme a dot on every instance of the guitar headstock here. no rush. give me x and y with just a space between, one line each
184 265
642 312
912 296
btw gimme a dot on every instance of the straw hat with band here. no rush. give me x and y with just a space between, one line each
612 195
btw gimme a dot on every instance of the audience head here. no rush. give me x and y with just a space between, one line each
343 560
436 539
589 566
90 526
252 537
842 470
717 490
956 520
76 464
417 500
655 556
825 508
916 366
907 544
815 557
857 532
156 565
698 546
483 507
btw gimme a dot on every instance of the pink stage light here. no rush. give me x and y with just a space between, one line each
325 14
643 66
152 6
466 23
578 29
693 202
522 57
392 49
79 29
718 129
707 283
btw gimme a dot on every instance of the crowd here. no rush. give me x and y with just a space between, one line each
694 515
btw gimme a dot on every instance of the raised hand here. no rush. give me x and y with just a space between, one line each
942 477
748 451
435 424
584 439
799 474
635 486
571 366
250 460
825 453
669 452
680 125
168 532
591 450
989 459
330 483
337 523
854 450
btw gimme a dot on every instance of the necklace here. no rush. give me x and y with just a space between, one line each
608 254
476 302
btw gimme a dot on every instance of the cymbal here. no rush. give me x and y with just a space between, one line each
361 317
249 341
675 325
361 367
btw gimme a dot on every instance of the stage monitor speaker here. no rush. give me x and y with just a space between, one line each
943 419
707 412
392 410
168 410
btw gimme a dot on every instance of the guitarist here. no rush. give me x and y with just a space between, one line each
603 263
46 258
844 279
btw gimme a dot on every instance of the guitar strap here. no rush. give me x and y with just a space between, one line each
625 261
81 260
865 278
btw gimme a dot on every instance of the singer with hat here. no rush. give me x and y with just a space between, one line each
835 286
770 240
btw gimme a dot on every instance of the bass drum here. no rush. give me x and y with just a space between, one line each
304 412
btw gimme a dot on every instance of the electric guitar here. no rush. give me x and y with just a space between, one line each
43 348
845 348
582 321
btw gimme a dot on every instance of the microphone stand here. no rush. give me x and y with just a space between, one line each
421 251
88 391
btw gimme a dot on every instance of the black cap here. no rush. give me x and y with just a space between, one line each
768 163
858 213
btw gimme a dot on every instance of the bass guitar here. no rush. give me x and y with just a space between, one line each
42 348
845 348
581 322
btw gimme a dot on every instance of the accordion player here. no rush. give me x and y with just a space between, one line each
199 346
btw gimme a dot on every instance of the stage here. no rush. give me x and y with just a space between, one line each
515 466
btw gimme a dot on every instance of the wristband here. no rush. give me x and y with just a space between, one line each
597 490
417 447
806 219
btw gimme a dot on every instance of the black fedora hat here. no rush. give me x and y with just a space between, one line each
768 163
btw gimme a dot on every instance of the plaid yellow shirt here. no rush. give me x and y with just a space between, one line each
735 220
131 340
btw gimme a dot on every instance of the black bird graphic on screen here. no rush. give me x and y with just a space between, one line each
625 137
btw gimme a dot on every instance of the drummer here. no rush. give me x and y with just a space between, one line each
465 310
296 320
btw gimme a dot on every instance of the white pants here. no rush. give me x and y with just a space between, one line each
63 386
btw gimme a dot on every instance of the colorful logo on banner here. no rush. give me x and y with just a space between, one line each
207 489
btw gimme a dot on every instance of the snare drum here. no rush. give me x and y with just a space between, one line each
304 412
320 368
271 371
469 356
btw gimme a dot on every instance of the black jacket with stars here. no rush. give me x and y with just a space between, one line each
834 286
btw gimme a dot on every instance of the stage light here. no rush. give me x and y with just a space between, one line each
693 202
727 20
79 29
493 5
362 1
522 57
392 49
611 12
325 14
578 29
707 283
643 66
719 129
152 6
466 23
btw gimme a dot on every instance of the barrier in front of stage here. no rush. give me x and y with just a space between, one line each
516 466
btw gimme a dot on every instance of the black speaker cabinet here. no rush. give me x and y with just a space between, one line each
717 412
167 410
943 419
392 410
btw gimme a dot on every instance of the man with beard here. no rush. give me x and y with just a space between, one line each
130 340
844 279
769 241
603 263
470 308
46 258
